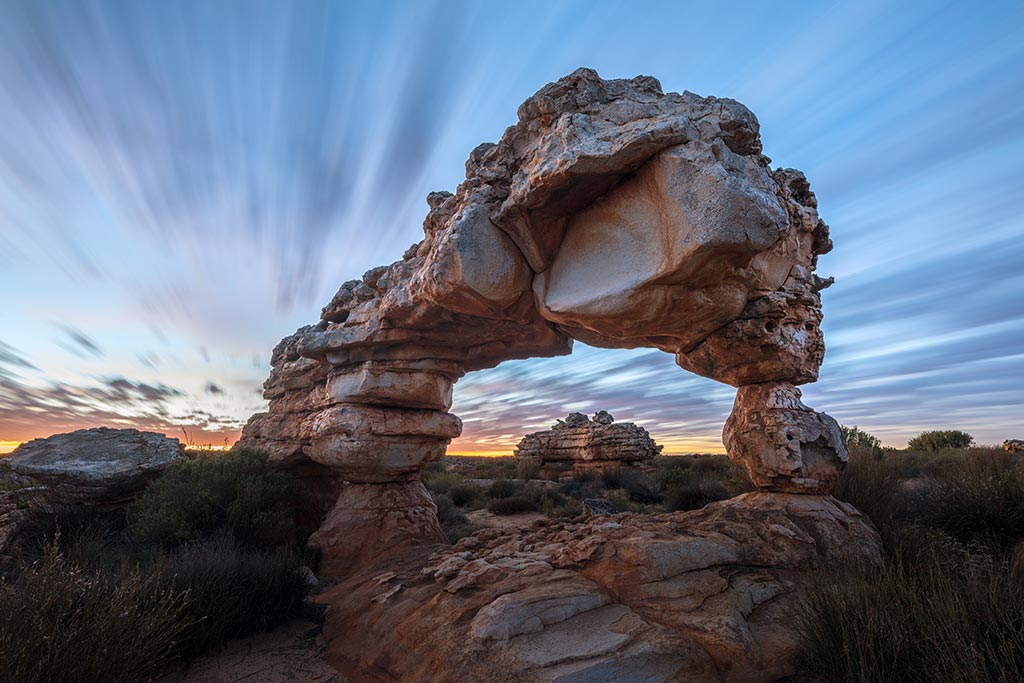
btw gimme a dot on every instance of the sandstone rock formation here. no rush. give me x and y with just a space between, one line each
89 468
1013 446
696 596
578 444
611 213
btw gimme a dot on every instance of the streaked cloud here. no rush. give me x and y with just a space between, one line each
182 184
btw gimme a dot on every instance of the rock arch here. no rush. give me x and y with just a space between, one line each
611 213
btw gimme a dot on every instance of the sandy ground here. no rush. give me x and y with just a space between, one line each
291 652
485 518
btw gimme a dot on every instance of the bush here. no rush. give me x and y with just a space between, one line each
233 591
873 487
978 501
860 442
238 493
504 488
59 624
512 505
453 522
916 623
936 441
463 494
693 492
527 468
641 489
441 481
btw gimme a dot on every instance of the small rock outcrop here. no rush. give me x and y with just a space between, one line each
1014 446
579 444
706 596
89 468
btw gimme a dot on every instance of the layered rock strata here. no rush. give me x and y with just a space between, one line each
703 596
610 212
88 469
579 444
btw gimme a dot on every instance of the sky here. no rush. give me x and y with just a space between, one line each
184 183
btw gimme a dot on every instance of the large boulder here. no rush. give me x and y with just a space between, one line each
703 596
88 469
1014 446
579 444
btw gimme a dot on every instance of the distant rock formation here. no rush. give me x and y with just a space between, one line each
1013 446
89 468
578 444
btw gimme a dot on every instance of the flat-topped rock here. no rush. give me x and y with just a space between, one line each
93 465
578 443
88 468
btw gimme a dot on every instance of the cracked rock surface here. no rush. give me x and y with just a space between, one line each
701 596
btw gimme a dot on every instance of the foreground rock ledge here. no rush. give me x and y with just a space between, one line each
689 596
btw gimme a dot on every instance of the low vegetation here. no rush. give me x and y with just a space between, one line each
945 602
503 486
210 552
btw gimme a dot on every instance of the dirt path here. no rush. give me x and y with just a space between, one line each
291 652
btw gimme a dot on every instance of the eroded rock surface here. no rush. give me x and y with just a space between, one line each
89 468
692 596
782 444
579 444
1013 446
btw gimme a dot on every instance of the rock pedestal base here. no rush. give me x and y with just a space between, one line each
371 522
702 596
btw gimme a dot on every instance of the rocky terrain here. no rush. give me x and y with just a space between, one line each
1014 445
579 444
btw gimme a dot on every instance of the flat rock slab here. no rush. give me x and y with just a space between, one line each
98 458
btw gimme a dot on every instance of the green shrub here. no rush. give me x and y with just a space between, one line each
454 524
978 501
872 486
197 498
917 623
59 624
504 488
441 481
463 495
641 488
233 591
512 505
859 441
694 494
936 441
527 468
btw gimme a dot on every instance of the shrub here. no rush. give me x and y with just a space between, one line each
504 488
237 492
454 524
977 501
873 487
441 481
512 505
641 488
915 623
233 591
693 493
933 442
59 624
612 477
527 468
463 494
859 441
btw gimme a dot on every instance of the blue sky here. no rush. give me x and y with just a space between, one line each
182 184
